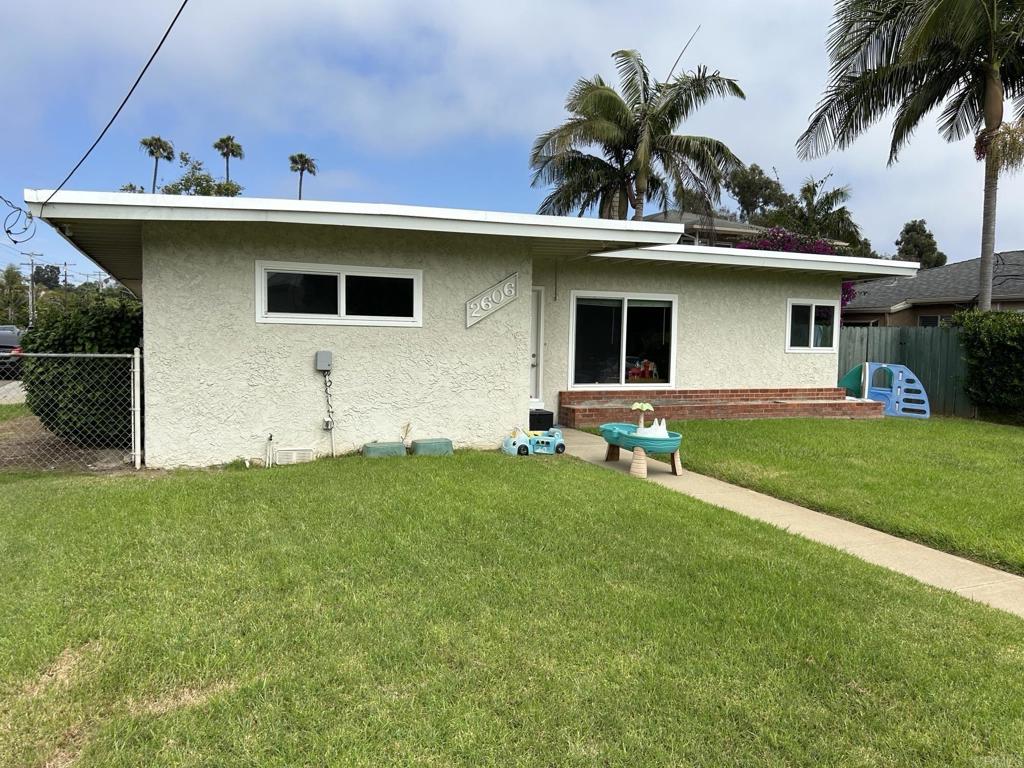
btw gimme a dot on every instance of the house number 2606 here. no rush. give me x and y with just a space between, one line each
492 299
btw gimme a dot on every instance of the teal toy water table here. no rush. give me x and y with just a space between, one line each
623 435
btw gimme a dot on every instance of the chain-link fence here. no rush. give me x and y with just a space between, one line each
70 411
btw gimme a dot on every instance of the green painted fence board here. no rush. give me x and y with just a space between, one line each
934 354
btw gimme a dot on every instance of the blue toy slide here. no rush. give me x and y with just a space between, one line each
895 386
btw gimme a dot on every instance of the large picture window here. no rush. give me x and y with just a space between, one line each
812 326
324 294
622 340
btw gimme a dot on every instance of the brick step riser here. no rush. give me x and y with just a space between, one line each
697 396
575 416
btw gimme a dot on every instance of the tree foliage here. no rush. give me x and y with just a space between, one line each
917 243
47 275
159 149
302 164
78 399
619 150
196 180
755 192
908 58
817 212
13 297
228 147
994 348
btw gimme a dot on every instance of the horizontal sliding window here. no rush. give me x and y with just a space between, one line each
325 294
622 340
811 326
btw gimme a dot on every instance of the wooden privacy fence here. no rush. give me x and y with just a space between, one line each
934 354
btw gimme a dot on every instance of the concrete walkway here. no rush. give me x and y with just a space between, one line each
11 393
938 569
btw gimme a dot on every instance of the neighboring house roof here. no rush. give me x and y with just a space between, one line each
695 222
107 227
951 284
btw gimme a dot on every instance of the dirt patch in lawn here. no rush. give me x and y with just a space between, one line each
26 444
182 698
72 742
62 670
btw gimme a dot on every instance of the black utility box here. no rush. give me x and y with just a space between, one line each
541 420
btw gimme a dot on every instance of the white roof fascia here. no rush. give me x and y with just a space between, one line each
740 257
130 206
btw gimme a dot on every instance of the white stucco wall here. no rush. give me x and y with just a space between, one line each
731 324
217 383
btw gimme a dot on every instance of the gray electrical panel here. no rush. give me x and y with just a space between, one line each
322 361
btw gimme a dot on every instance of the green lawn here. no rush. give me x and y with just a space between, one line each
954 484
10 411
475 610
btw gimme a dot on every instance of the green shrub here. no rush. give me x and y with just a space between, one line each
994 347
86 401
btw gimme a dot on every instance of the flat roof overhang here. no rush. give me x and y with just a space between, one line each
741 258
107 226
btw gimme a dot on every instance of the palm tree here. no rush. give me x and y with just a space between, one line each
302 164
913 56
817 212
618 148
159 149
227 148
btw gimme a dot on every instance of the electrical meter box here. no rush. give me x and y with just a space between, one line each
322 361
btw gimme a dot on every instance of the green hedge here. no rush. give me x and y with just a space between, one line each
86 401
994 347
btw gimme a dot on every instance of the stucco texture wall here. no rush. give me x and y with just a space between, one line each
217 383
731 324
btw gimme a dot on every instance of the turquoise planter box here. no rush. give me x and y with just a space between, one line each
435 446
377 450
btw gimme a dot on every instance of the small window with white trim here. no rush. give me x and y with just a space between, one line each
811 326
325 294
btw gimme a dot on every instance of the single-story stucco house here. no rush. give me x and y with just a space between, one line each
447 323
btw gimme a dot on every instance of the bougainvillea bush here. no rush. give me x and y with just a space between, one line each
781 239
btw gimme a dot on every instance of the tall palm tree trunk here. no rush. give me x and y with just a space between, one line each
227 168
300 184
988 233
993 121
638 202
156 162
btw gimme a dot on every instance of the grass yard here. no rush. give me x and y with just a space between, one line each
10 411
954 484
475 610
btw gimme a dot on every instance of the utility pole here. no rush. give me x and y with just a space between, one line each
31 285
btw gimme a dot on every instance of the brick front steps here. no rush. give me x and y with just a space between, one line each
587 408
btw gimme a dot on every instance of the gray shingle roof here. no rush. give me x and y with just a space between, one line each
954 283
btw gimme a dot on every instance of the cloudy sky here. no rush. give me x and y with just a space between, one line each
431 103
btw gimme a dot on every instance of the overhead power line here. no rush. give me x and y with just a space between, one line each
120 107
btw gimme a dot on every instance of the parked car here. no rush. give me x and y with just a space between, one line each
10 340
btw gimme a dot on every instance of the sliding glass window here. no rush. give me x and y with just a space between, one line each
622 340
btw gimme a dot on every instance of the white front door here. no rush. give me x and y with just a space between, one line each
536 345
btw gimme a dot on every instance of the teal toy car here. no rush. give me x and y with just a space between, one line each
523 443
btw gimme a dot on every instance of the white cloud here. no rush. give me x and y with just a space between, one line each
402 77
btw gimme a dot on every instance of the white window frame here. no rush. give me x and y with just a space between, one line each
669 297
339 271
813 304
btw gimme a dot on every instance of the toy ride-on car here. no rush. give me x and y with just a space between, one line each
523 443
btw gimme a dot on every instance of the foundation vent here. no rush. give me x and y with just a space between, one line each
292 455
